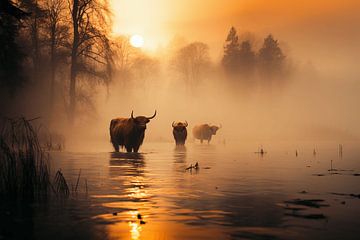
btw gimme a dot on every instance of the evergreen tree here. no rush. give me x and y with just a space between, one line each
246 58
11 55
33 27
271 57
230 60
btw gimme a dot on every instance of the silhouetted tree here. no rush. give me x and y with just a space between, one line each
144 66
124 52
90 46
271 57
11 54
191 61
33 25
230 59
145 71
57 35
124 55
247 59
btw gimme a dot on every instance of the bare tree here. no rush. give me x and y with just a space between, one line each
57 32
124 53
90 48
145 72
191 61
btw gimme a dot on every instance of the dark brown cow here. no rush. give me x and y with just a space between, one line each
180 132
205 132
128 132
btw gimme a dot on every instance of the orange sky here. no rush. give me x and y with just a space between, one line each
302 25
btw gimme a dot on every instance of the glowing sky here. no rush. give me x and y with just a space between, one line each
319 25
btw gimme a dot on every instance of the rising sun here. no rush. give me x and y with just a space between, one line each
137 41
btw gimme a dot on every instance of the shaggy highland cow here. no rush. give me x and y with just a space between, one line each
180 132
128 132
205 132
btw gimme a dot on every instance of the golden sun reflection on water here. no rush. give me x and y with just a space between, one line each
135 230
137 193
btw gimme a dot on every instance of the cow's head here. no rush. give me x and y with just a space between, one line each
214 129
180 126
141 121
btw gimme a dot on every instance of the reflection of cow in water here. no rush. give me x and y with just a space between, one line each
128 132
205 132
180 132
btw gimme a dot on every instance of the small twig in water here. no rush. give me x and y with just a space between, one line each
196 166
86 187
77 182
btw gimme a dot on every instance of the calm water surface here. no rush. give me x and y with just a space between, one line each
235 194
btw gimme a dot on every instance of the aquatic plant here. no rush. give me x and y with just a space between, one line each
24 165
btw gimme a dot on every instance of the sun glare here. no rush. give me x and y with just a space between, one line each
137 41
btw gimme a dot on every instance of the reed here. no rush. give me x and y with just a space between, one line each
24 165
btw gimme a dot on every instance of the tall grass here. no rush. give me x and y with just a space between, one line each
24 165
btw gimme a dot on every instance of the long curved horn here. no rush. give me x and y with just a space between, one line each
186 123
152 116
132 114
173 124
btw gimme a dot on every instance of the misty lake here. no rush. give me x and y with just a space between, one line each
234 194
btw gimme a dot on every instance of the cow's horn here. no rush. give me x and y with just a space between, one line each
173 124
132 114
152 116
186 123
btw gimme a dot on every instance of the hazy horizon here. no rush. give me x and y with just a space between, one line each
317 100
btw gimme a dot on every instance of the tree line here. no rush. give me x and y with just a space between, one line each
66 48
43 39
240 58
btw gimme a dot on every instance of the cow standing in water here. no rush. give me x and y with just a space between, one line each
128 132
180 132
205 132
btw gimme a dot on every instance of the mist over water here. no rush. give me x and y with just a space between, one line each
317 100
306 106
280 80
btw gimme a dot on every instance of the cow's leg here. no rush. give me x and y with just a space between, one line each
128 149
136 148
116 146
201 140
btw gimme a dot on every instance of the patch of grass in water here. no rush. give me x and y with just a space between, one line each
314 203
307 216
347 194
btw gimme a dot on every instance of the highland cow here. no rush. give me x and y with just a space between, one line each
128 132
180 132
205 132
